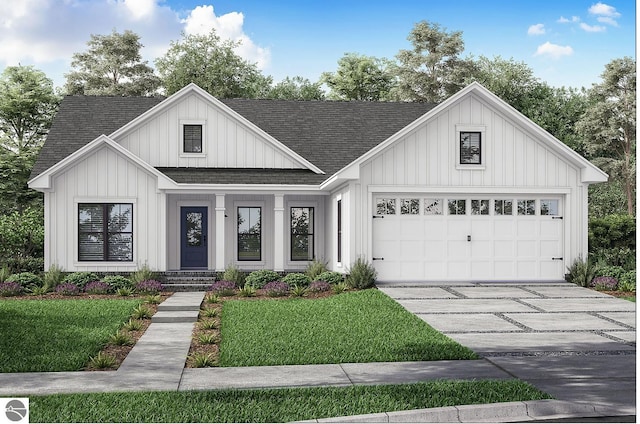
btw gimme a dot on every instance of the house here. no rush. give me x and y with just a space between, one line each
469 189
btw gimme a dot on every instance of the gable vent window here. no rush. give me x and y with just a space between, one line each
192 138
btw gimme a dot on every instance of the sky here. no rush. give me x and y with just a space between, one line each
565 42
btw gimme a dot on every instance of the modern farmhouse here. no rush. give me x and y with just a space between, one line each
469 189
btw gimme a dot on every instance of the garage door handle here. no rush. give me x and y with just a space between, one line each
378 259
468 238
378 216
557 259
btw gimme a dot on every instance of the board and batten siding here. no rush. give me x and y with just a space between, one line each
227 142
105 176
515 163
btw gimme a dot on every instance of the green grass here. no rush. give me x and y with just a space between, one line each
57 335
363 326
630 298
275 405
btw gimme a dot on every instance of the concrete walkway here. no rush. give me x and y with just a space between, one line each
583 354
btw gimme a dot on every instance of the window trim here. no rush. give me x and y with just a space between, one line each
185 122
312 234
481 129
105 230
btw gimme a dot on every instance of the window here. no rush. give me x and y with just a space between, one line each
410 206
192 138
302 234
470 148
503 207
549 207
386 207
526 207
339 252
457 206
433 206
249 233
480 207
105 232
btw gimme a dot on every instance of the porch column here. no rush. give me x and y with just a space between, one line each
219 235
278 233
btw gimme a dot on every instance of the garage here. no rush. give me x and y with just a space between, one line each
458 237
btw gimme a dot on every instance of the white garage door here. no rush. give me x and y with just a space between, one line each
462 238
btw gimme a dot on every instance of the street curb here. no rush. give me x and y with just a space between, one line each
496 412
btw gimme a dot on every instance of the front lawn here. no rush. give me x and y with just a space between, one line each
57 335
273 405
362 326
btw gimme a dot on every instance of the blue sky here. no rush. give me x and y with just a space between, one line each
565 42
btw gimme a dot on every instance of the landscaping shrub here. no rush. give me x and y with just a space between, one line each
610 271
234 274
81 279
276 289
223 288
247 291
149 287
315 268
362 275
604 283
28 264
616 256
143 274
581 272
258 279
97 287
297 279
612 240
67 289
5 273
27 280
298 291
319 286
53 277
117 282
330 277
10 288
627 281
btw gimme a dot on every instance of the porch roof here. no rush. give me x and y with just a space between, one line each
243 176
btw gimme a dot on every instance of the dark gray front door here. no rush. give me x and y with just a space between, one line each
193 237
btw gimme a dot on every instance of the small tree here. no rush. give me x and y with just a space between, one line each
360 77
212 64
112 65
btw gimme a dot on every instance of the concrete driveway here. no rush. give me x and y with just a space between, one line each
573 343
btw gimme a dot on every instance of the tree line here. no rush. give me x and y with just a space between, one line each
598 122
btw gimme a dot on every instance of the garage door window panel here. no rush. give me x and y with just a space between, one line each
526 207
409 206
480 207
549 207
457 206
433 206
503 207
386 206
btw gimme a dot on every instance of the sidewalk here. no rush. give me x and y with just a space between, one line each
157 363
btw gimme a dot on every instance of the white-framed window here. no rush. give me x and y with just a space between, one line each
249 233
433 206
105 232
193 137
479 206
386 206
503 207
549 207
470 146
457 206
527 207
302 232
410 206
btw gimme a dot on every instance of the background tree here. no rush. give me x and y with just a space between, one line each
27 106
609 126
210 63
112 66
433 69
296 88
360 77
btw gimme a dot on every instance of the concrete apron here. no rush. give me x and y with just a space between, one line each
574 343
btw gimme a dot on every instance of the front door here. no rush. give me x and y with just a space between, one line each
193 237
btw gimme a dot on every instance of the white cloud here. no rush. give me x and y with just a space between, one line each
553 50
564 20
203 19
537 29
605 13
140 9
592 28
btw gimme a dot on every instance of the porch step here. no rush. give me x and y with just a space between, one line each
180 307
185 281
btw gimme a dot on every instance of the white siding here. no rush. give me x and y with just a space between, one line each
227 143
105 177
514 162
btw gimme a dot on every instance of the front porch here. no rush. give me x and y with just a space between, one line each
211 231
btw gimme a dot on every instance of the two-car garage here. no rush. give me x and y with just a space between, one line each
455 237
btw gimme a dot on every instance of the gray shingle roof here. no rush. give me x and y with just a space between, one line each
328 134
